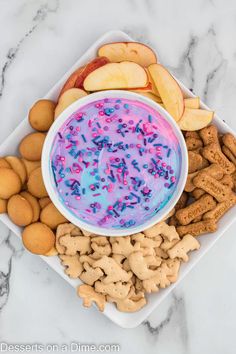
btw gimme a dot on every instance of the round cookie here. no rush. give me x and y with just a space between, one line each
10 183
18 166
30 166
4 163
34 204
19 210
51 216
35 184
31 146
3 206
44 202
52 252
41 115
38 238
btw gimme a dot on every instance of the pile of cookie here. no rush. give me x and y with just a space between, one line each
209 194
122 270
211 183
22 192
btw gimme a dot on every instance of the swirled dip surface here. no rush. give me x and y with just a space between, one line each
115 163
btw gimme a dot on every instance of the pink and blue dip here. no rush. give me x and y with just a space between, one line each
115 163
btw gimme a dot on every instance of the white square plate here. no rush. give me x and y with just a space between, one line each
10 145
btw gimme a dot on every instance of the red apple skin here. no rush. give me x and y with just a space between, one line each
147 88
70 82
140 44
87 69
76 79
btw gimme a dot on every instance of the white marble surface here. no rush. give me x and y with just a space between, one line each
39 41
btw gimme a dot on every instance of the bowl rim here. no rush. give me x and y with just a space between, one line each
46 165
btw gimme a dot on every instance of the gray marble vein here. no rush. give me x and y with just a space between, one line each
156 330
212 77
202 73
218 66
6 273
176 316
4 285
196 41
186 69
8 250
39 17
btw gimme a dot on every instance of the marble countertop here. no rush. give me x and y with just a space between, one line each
39 41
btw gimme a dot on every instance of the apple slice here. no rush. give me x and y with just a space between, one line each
90 67
70 82
150 87
67 98
193 102
116 76
154 89
76 79
128 51
169 90
149 95
195 119
147 88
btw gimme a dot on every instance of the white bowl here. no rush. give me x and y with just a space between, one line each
47 175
